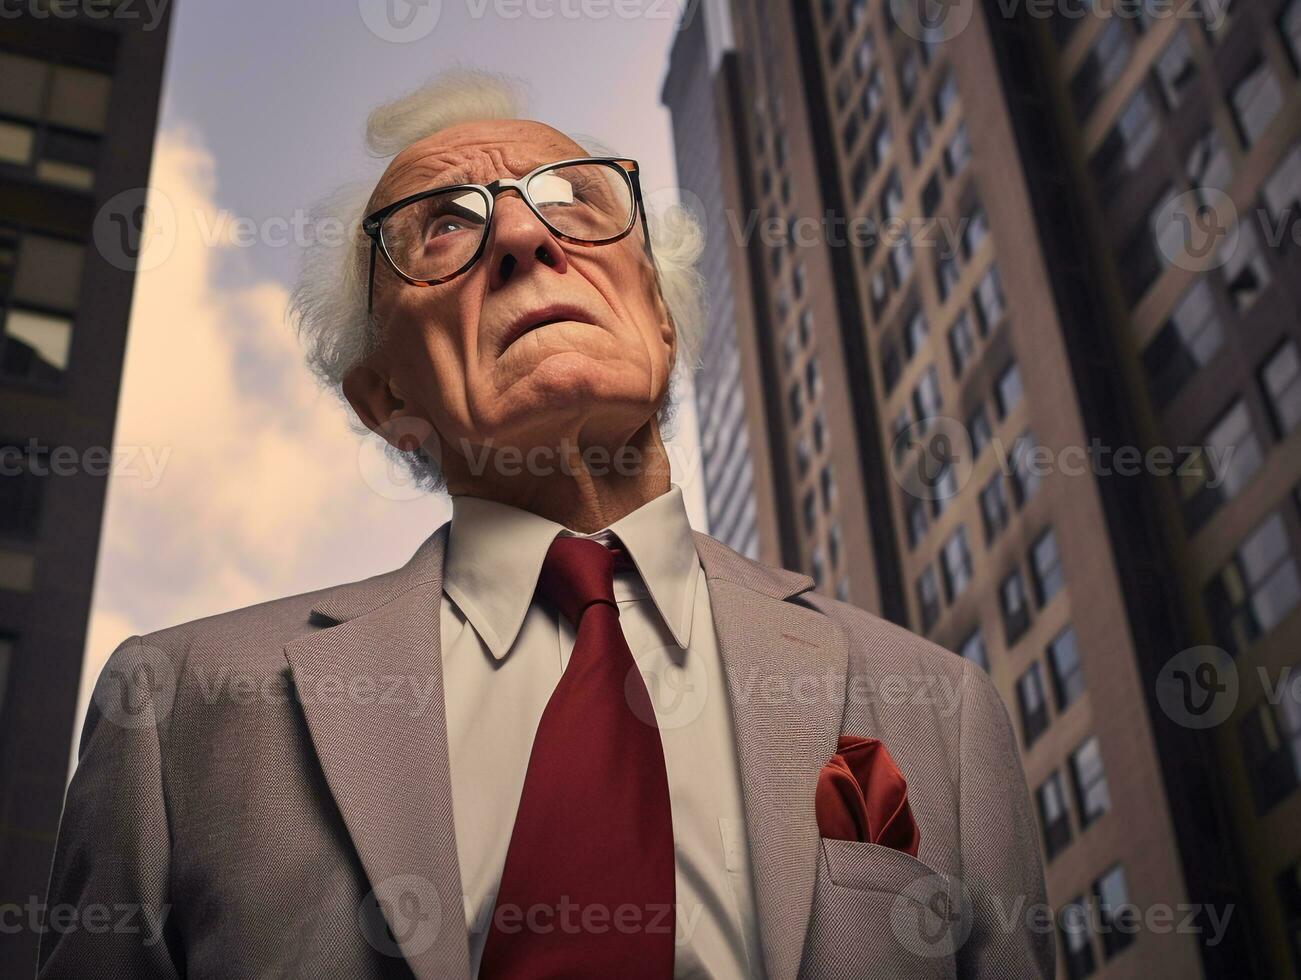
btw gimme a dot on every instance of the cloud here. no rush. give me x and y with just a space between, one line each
242 480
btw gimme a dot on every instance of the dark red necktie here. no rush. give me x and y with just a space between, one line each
587 890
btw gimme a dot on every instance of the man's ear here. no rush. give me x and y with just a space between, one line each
380 404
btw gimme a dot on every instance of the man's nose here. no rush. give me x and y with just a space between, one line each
518 241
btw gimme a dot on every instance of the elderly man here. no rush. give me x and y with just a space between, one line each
571 737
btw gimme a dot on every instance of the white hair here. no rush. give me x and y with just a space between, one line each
328 305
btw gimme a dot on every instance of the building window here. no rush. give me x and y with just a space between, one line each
1127 143
947 274
946 96
891 367
1256 100
22 488
873 93
1046 565
1053 818
916 512
993 507
1282 190
928 598
1117 917
958 151
974 232
962 343
809 508
827 485
1256 589
40 279
1092 798
795 398
973 649
1209 165
1229 457
1103 65
1068 678
1289 25
1032 703
979 431
1025 476
909 75
1244 269
990 306
1271 741
1007 391
1184 344
864 54
881 143
919 138
1175 69
915 334
926 396
812 378
955 561
1280 380
1016 610
1077 946
59 112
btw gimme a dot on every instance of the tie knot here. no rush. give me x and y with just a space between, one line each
576 573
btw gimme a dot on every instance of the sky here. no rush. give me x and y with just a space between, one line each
248 483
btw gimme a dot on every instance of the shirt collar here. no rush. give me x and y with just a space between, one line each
495 554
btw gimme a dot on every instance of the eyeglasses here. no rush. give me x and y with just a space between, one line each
435 235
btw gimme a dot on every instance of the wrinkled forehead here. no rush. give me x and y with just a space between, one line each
472 153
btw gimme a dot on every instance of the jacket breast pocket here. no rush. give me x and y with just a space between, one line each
875 904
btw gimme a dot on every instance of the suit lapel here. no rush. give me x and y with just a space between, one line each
786 667
372 693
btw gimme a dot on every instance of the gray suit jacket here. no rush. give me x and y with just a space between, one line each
265 793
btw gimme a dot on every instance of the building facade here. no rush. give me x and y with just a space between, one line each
79 91
1036 314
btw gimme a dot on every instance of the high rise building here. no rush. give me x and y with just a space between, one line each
1036 310
79 91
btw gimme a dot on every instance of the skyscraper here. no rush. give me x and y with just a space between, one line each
1037 258
79 91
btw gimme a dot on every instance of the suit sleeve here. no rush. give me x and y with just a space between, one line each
107 913
1012 932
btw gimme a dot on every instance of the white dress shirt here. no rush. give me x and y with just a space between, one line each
503 655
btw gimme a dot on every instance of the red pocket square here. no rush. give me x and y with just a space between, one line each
862 796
